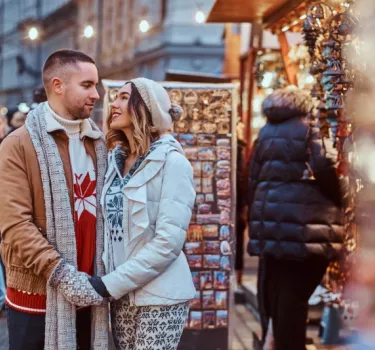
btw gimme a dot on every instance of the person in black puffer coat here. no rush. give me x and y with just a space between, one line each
295 213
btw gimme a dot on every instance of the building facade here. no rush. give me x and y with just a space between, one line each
21 59
174 41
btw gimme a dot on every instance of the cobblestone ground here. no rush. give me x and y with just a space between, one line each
243 324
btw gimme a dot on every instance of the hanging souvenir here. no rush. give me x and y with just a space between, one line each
182 126
191 97
209 127
196 126
176 96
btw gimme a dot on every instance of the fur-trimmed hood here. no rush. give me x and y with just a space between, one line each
285 104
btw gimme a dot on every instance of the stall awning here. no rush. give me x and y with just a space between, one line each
236 11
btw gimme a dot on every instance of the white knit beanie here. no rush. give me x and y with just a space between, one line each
157 100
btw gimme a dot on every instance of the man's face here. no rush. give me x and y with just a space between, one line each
79 90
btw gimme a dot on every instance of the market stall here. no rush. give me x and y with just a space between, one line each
326 66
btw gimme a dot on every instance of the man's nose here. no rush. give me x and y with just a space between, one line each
95 95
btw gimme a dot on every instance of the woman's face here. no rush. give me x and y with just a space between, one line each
120 117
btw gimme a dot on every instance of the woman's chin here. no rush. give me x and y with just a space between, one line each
115 126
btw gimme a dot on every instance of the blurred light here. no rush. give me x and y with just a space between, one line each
33 33
267 80
285 29
257 104
23 107
4 110
258 122
88 32
370 166
200 17
144 26
310 79
303 17
295 22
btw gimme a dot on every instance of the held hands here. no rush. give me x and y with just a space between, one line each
74 285
99 286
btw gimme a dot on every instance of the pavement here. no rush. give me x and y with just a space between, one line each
244 328
243 323
249 289
244 332
3 331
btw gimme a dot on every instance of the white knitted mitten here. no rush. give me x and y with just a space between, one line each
74 285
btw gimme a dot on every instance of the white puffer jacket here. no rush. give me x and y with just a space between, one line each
157 210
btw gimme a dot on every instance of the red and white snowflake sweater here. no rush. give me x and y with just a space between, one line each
84 182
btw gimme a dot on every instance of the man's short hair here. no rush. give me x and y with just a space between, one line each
59 60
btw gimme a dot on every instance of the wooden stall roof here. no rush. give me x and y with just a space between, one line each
236 11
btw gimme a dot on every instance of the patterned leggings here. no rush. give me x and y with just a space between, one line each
147 327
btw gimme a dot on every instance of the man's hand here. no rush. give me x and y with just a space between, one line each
74 285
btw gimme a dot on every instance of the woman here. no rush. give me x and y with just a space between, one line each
296 216
147 202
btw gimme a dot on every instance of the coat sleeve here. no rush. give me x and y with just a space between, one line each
176 204
16 217
323 161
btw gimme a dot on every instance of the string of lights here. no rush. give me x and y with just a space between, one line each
144 25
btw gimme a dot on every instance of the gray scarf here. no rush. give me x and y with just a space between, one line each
60 331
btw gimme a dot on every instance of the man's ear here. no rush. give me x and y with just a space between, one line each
57 85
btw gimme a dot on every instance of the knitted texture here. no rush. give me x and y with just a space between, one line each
157 101
60 332
74 285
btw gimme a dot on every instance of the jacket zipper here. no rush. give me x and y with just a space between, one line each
132 298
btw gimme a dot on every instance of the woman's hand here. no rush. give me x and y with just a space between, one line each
99 286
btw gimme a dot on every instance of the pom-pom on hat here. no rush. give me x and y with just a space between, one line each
157 100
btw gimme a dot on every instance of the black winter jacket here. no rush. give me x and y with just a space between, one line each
292 218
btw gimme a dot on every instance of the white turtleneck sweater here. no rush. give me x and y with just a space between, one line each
84 189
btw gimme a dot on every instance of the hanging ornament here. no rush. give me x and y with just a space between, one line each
334 101
342 27
318 13
259 72
317 91
335 69
311 35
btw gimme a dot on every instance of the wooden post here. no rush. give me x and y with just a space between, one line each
250 67
290 67
256 42
231 66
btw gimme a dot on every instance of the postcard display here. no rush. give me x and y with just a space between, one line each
206 131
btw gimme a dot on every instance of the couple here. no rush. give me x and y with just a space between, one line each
78 229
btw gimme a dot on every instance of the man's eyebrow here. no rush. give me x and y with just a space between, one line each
88 82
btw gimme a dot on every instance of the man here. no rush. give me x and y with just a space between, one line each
51 177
